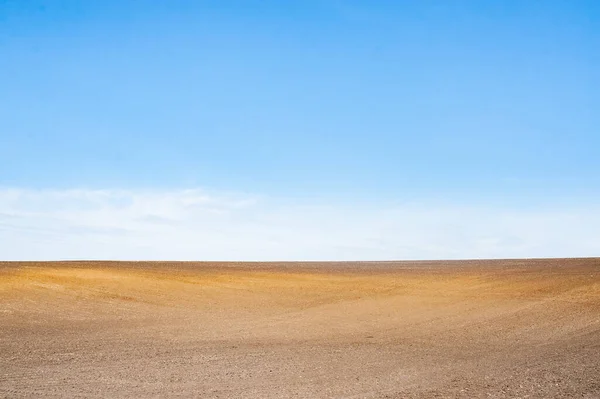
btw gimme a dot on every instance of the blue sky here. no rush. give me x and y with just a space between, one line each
354 105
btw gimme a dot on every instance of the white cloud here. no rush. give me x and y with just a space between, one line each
199 225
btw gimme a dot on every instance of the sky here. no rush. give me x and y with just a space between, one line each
312 130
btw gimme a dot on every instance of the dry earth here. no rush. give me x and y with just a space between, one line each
489 329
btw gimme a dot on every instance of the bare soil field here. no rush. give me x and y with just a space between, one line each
468 329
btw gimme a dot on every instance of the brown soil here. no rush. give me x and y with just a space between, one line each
473 329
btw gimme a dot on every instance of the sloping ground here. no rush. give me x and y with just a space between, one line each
365 330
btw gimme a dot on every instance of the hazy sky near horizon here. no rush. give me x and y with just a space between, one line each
320 129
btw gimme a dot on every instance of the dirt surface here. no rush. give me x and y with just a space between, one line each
473 329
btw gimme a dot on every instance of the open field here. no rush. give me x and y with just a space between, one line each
528 328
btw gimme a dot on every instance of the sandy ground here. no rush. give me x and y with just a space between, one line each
487 329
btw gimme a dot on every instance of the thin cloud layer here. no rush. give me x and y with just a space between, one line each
199 225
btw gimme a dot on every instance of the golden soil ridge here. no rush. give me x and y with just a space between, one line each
465 329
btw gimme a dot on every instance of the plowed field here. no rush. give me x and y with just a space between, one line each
468 329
